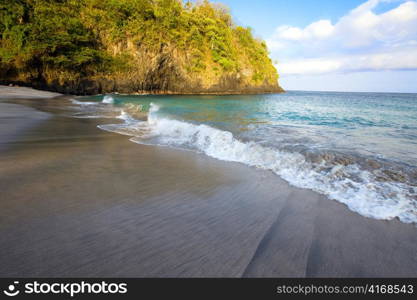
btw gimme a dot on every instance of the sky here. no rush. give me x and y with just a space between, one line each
350 45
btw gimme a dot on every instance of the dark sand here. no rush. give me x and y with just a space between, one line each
78 201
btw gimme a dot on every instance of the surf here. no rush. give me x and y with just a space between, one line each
350 184
108 99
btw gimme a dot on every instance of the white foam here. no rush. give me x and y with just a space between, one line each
108 99
153 109
126 117
380 200
86 117
82 103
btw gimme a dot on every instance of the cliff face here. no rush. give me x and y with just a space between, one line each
131 46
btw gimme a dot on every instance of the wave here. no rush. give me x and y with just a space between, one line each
82 102
348 183
108 99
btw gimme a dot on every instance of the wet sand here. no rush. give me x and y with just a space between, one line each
78 201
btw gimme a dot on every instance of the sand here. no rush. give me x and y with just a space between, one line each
7 92
78 201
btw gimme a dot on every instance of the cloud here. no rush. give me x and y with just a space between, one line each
404 59
359 41
317 30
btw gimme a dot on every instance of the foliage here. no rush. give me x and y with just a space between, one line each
76 35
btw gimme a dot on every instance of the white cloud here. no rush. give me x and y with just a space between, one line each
320 29
403 59
359 41
310 66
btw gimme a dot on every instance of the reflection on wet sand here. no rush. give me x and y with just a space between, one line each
79 201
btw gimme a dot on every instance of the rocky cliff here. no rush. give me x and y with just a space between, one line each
131 46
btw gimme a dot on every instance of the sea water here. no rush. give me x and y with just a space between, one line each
356 148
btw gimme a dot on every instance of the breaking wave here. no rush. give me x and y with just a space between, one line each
364 190
108 99
82 102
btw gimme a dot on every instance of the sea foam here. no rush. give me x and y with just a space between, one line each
82 102
108 99
351 185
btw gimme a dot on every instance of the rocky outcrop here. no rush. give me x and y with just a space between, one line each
149 73
153 47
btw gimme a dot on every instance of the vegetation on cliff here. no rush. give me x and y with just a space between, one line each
161 46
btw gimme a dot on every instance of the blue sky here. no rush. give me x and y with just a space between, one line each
264 16
353 45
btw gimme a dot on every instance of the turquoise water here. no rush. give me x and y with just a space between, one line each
356 148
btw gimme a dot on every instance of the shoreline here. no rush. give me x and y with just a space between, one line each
79 201
11 92
251 91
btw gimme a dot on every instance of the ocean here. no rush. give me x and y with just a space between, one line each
356 148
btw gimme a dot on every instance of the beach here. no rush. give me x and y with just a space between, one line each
77 201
